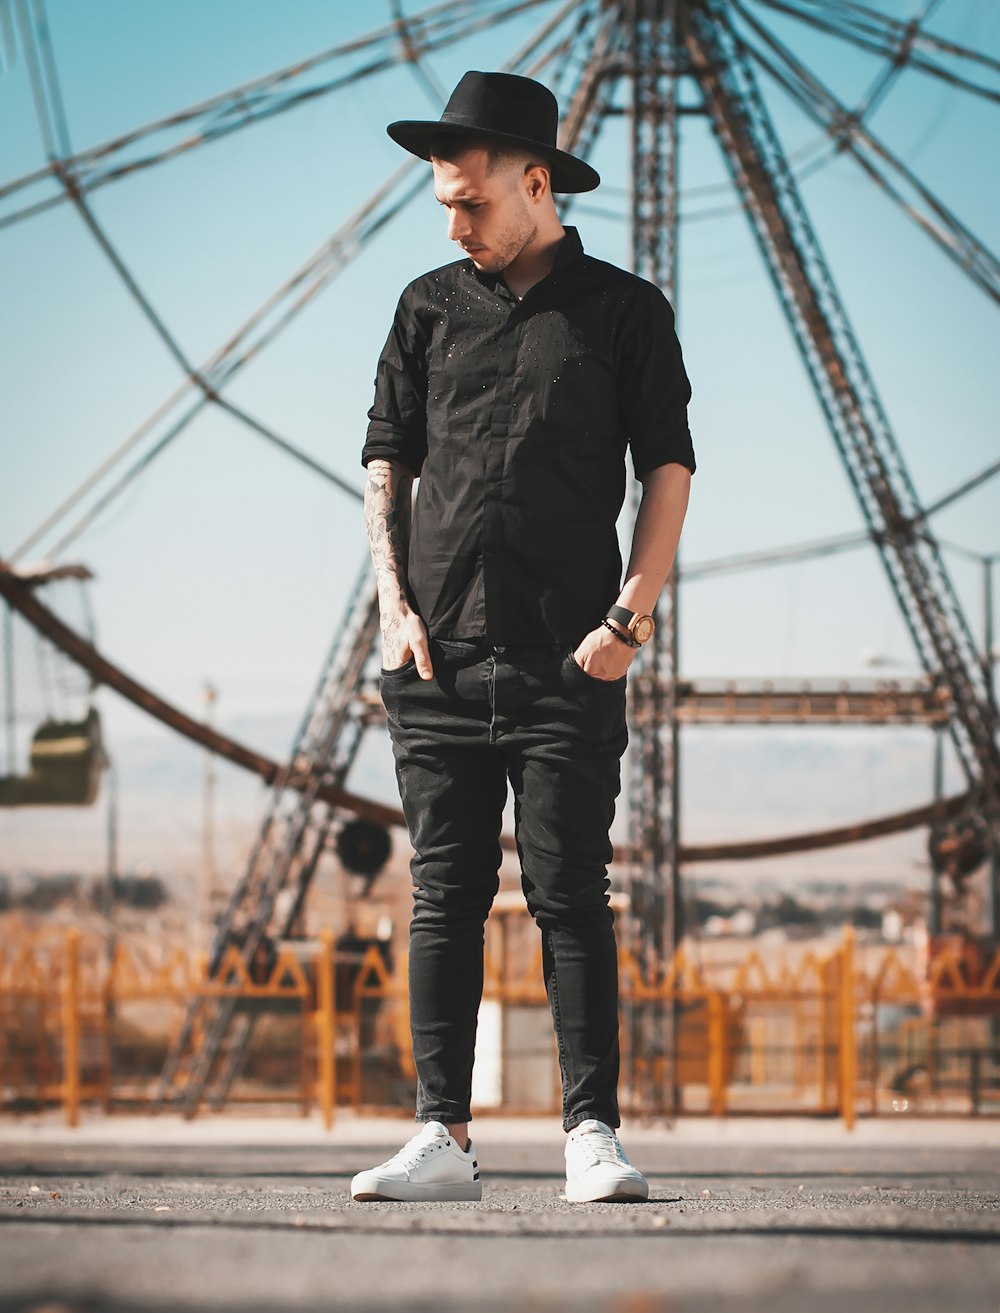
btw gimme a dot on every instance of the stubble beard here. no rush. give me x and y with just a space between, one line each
509 244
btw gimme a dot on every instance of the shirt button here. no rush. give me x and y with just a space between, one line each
499 647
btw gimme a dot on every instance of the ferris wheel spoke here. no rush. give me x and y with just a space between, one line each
303 457
224 364
901 43
901 55
92 178
847 129
966 486
519 60
317 272
234 355
140 466
241 348
410 44
885 22
267 97
528 61
46 85
842 382
592 96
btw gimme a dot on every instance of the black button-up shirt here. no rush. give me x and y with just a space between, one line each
516 415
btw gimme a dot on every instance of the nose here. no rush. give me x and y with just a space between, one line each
458 226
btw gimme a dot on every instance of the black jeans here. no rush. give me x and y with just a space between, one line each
536 717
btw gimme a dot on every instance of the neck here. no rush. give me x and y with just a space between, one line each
535 260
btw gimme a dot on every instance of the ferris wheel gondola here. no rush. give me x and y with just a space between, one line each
66 757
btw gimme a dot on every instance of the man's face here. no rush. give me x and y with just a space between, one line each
488 214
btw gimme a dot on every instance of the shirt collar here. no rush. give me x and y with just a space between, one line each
570 248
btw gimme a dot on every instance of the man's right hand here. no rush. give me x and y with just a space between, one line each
404 636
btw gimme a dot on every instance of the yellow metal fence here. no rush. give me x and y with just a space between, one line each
838 1033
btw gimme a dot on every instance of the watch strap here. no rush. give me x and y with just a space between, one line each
622 614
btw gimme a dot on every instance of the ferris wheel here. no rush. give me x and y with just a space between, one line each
649 64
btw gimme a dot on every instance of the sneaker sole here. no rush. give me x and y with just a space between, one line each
578 1193
404 1192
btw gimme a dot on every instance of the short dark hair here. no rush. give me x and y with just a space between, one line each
499 154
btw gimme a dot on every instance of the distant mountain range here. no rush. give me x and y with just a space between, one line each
736 782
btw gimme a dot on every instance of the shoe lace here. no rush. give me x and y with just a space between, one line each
602 1147
411 1153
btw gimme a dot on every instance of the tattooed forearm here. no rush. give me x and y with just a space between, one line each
387 501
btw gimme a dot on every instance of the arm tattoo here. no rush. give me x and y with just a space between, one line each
387 494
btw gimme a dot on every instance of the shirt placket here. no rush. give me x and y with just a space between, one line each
495 546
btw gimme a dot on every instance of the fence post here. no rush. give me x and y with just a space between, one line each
758 1050
326 1022
848 1054
107 1033
717 1053
825 1037
71 1028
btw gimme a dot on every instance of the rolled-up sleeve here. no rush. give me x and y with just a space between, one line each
397 420
653 386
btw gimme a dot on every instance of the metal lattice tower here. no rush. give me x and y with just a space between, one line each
695 38
267 904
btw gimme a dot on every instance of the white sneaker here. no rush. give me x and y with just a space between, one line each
596 1166
429 1166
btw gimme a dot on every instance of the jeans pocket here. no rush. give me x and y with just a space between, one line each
570 662
392 671
456 648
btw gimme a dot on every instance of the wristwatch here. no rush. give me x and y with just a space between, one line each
638 624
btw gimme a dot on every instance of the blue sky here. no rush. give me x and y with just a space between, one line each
229 562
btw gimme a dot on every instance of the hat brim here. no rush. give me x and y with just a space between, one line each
567 173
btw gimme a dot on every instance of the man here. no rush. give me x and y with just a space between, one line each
511 383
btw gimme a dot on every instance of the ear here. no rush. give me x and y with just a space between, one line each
537 176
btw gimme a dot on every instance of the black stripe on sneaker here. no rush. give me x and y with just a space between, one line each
475 1163
475 1176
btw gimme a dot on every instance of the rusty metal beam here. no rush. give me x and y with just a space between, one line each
22 599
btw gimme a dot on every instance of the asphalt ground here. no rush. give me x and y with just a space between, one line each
744 1214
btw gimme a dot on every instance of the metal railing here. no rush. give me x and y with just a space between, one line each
853 1030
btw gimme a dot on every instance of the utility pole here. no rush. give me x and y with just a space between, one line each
8 663
209 871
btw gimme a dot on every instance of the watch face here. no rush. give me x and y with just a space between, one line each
643 629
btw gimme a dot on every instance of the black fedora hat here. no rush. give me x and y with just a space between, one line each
514 109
